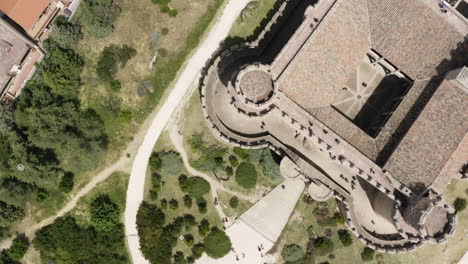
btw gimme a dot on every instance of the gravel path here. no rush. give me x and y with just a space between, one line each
190 74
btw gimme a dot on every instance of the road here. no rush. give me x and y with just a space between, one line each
190 73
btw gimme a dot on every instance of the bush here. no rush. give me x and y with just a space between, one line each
179 258
111 58
17 250
65 33
195 186
234 161
241 153
99 17
292 253
202 206
67 182
155 162
311 232
234 202
229 171
217 243
105 213
187 201
338 218
173 204
41 195
345 237
164 31
323 246
163 203
246 175
189 240
171 163
459 204
204 227
115 86
173 12
189 221
198 250
367 254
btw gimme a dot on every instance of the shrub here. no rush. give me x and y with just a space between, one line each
338 218
229 171
179 258
345 237
292 253
197 250
234 202
41 195
163 203
217 243
189 221
17 250
233 160
173 204
67 182
367 254
115 86
246 175
311 232
171 163
155 162
241 153
173 12
164 31
104 213
187 201
195 186
459 204
202 206
270 168
111 58
189 240
65 33
204 227
323 246
99 17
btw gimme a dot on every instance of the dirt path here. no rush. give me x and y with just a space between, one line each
177 140
189 75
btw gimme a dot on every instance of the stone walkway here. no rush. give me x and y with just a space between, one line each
260 226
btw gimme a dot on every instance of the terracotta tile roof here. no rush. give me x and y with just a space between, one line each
432 139
330 55
409 34
24 12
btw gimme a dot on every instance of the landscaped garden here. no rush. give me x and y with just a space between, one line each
178 221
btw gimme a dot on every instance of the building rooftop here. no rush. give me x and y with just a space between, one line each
24 12
432 139
13 48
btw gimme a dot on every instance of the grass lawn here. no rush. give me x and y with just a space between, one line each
224 198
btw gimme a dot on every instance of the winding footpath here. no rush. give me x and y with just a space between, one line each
190 74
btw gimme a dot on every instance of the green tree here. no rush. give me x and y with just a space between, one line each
345 237
195 186
204 227
246 175
155 162
197 250
459 204
67 182
189 221
104 213
173 204
234 202
17 250
189 240
202 206
99 17
187 201
9 214
367 254
292 253
217 243
66 34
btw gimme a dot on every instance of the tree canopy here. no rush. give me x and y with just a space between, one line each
104 213
217 243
